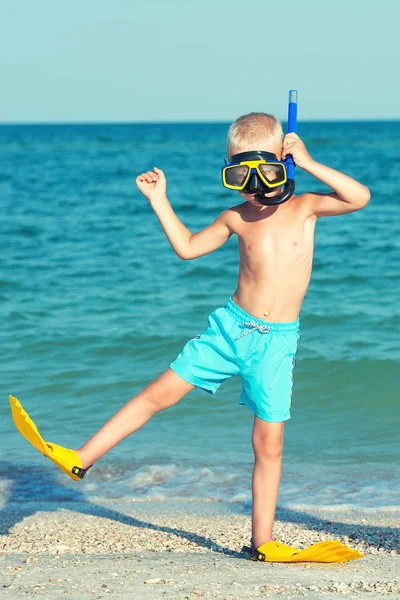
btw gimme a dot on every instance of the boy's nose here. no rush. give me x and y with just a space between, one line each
254 183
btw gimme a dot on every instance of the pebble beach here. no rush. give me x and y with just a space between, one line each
186 549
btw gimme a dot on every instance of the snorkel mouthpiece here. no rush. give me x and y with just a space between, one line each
287 192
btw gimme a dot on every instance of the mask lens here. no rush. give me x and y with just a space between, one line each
236 176
273 173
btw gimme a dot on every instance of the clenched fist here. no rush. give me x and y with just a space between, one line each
153 185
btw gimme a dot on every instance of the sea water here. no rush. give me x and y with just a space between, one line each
94 305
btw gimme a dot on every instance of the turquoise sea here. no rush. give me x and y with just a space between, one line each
94 304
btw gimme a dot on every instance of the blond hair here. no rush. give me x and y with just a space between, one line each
251 128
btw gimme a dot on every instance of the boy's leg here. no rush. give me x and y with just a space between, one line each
161 393
267 442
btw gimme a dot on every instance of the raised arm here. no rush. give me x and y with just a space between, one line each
186 245
348 194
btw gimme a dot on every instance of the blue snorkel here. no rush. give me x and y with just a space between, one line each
288 188
292 128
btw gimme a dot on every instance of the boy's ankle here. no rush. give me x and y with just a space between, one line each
82 458
257 543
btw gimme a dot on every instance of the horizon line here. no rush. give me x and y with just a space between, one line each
188 122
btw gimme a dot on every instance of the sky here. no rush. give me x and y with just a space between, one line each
185 60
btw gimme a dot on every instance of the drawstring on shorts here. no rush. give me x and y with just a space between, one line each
253 327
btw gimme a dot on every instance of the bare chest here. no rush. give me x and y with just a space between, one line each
276 241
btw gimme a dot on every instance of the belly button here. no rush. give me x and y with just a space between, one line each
266 313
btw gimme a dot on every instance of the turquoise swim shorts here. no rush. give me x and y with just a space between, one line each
236 343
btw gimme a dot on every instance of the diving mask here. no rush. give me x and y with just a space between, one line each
259 173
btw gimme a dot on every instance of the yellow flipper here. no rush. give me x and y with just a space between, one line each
321 552
67 460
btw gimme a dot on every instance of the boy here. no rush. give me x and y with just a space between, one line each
256 334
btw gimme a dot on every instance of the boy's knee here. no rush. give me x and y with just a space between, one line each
157 400
166 390
267 447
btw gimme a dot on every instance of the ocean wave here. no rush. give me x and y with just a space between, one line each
302 486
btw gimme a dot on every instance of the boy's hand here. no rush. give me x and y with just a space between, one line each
293 145
153 185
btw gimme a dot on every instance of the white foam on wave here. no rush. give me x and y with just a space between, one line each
301 488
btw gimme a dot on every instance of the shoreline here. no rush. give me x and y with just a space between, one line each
186 549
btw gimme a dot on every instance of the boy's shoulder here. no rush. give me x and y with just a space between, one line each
235 216
302 201
232 214
235 210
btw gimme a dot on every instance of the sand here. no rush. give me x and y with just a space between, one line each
186 550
